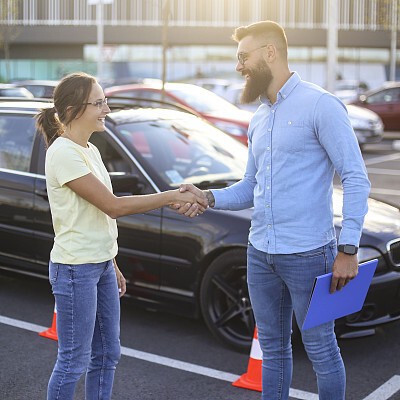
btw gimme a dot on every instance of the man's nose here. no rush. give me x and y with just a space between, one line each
239 66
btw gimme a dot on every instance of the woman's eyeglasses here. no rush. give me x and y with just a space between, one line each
99 103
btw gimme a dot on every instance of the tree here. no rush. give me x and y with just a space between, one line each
9 11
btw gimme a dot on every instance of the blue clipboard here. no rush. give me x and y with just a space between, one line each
324 306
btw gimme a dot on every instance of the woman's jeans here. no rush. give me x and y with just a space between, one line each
279 284
88 310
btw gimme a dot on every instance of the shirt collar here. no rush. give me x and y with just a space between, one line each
285 90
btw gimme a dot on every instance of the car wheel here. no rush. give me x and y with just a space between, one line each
225 302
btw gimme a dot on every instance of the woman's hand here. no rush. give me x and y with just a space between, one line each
120 280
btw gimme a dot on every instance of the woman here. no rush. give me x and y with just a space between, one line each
83 272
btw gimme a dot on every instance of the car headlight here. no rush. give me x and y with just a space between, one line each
367 253
232 129
357 123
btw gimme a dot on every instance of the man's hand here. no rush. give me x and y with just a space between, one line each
191 210
345 268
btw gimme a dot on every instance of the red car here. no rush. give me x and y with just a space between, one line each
202 102
385 101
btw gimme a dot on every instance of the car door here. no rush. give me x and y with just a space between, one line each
386 103
139 235
17 132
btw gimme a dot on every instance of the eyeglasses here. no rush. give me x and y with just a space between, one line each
242 55
99 103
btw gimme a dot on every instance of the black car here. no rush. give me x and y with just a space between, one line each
193 267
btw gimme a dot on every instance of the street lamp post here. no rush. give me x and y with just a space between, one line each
332 39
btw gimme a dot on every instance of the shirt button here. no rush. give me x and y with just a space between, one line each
269 129
268 167
290 122
268 148
269 226
272 111
267 205
267 187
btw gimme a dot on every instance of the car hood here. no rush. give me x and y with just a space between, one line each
359 112
239 115
382 220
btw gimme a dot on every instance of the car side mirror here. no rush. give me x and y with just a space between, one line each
126 184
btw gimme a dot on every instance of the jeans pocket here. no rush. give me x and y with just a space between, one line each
53 272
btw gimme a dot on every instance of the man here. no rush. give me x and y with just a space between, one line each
297 138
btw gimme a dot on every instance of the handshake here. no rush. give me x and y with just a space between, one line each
191 201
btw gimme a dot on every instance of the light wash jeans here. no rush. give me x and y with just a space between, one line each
88 311
279 284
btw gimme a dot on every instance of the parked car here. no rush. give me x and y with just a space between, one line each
40 89
204 103
11 90
384 101
349 90
192 267
367 125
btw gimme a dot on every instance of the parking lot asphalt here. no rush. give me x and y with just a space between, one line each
169 357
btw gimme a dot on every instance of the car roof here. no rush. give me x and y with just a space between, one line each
153 85
39 83
117 116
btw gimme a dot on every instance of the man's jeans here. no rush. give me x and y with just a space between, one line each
279 284
88 310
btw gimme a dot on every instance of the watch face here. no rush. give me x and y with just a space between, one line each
348 249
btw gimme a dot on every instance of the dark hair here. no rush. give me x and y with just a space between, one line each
69 96
264 31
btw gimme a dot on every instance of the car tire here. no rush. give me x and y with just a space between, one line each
225 302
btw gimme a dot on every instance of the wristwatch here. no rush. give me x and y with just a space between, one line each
348 249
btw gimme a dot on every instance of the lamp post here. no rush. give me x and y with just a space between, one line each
100 32
393 43
332 39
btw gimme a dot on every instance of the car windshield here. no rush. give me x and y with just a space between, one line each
203 100
186 150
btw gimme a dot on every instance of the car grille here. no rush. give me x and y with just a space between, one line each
393 248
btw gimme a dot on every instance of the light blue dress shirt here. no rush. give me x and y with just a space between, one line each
295 146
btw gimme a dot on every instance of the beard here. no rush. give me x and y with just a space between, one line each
257 83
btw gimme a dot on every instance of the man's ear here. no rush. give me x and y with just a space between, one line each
270 53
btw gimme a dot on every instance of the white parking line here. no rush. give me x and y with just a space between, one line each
377 160
380 171
387 390
389 192
166 361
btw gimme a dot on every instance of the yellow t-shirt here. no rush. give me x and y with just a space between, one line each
83 233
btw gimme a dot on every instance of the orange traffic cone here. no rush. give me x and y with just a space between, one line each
51 333
252 378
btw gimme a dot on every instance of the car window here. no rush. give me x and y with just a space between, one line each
202 100
16 139
14 92
185 150
115 160
384 96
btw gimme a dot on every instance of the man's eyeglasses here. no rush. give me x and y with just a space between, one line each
242 56
99 103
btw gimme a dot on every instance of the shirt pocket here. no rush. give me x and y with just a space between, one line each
290 136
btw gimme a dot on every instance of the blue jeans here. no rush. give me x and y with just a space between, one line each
278 285
88 311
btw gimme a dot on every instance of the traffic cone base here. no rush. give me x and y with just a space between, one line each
252 378
51 333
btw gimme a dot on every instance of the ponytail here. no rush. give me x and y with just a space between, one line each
47 121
